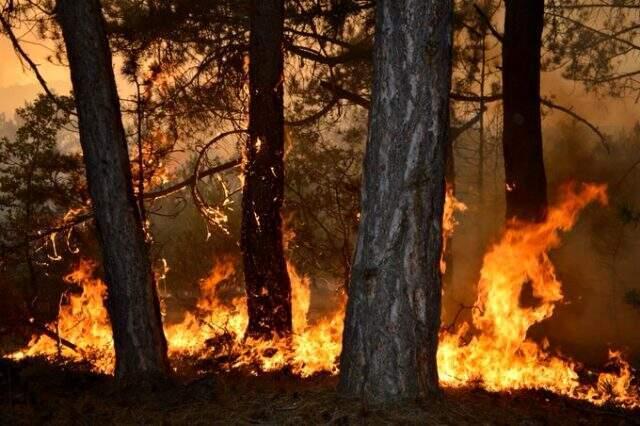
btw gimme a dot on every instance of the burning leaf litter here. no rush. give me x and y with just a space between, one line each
492 352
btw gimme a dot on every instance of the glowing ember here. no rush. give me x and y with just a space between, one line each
493 352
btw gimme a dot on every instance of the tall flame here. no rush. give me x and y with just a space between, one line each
493 351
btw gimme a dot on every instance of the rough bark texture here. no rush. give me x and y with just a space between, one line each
140 345
393 313
266 277
526 182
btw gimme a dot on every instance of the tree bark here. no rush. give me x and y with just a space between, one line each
393 314
526 182
266 277
132 303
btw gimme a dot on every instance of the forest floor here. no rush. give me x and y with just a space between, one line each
36 392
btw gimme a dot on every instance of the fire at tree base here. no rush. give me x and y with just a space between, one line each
492 352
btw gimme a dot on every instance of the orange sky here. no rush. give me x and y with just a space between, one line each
18 85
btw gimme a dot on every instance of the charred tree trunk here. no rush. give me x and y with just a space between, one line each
393 314
140 345
266 277
526 182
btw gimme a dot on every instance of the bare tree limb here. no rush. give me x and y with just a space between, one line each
456 132
474 98
191 180
315 116
341 93
24 56
53 335
488 23
579 118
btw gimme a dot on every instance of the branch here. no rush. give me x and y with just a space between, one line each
365 103
320 37
598 5
22 54
315 116
341 93
192 179
54 336
488 23
357 53
579 118
610 78
473 98
456 132
85 217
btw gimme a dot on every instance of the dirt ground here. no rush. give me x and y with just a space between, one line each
36 392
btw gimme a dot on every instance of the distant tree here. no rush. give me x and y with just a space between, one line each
140 345
596 44
39 183
393 314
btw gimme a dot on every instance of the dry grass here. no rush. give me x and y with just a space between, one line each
35 392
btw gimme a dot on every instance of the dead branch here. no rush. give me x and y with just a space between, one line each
198 199
24 56
192 179
85 217
43 329
488 23
341 93
451 327
456 132
579 118
315 116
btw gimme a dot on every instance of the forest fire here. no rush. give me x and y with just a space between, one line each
493 352
248 213
215 328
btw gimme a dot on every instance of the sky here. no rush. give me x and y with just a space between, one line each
18 84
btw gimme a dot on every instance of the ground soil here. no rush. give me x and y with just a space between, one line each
38 392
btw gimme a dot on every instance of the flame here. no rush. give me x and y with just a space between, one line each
492 352
314 347
82 321
451 206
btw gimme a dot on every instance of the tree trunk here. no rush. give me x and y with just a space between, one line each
526 182
393 314
267 280
140 345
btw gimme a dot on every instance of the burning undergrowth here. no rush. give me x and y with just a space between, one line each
492 351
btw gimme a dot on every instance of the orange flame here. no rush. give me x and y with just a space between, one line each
82 321
497 353
493 352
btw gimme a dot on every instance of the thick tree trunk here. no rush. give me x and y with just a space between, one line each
393 314
267 280
140 345
526 182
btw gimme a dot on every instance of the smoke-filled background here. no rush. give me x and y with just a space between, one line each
597 261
